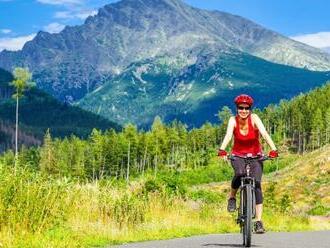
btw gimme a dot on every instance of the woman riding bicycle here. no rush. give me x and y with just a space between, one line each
245 127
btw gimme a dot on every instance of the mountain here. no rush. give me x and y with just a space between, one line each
327 49
39 111
78 60
196 93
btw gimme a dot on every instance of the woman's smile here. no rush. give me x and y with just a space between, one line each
243 110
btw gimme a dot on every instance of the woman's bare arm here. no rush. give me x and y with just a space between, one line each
263 131
229 133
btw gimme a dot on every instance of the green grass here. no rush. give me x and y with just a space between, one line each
280 163
37 211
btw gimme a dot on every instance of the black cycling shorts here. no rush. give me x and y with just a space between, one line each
256 169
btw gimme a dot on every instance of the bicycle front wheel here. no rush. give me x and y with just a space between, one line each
248 216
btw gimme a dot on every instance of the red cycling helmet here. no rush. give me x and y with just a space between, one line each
244 99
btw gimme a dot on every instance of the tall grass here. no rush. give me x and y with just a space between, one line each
31 202
38 211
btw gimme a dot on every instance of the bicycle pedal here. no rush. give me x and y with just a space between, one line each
239 220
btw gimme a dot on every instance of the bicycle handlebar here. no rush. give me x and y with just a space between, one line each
260 158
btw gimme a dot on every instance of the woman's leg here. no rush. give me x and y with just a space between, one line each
258 212
238 165
256 172
233 193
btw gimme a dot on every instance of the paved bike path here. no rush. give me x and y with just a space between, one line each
320 239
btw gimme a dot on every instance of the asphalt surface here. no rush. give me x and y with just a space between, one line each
319 239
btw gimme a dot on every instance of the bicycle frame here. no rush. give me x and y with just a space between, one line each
247 208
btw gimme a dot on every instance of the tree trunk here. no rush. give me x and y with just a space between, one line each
304 143
299 142
16 134
144 159
156 161
128 161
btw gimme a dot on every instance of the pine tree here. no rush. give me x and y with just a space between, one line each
327 125
22 80
158 132
317 128
47 156
131 136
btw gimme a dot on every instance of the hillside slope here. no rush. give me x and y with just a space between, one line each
194 94
306 182
300 189
39 111
79 59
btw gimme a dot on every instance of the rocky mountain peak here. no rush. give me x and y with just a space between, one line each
77 60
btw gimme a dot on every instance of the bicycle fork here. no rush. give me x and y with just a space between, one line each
246 182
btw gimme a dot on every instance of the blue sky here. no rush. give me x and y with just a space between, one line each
305 20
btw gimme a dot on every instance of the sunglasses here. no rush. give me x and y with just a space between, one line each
245 108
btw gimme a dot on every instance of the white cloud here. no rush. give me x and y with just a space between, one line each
84 14
320 40
80 14
54 27
63 15
5 31
61 2
14 44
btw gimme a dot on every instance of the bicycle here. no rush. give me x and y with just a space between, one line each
247 206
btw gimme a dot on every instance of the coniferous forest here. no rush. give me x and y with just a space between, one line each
299 125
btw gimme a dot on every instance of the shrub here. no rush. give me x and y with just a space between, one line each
124 209
319 209
174 184
128 211
151 185
206 196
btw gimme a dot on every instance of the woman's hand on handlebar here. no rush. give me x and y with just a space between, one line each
273 154
223 154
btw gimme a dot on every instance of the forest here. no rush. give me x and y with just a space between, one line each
299 125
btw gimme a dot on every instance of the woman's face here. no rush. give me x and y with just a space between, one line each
243 110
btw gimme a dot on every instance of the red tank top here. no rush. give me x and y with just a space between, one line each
246 144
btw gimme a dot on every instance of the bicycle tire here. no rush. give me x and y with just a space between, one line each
242 213
248 216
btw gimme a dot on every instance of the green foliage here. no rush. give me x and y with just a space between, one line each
207 196
270 196
22 80
39 111
282 204
319 210
301 123
285 203
173 148
173 183
29 201
208 174
152 185
194 93
225 114
127 210
278 164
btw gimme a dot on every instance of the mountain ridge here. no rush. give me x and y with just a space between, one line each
79 59
195 93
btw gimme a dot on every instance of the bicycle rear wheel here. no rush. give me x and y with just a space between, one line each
247 231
